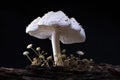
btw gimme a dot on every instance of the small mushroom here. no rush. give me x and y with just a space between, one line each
30 47
57 27
26 54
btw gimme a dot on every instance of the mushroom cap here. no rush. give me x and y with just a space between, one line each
25 53
73 33
70 31
54 18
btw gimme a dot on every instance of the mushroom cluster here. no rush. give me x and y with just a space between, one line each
57 27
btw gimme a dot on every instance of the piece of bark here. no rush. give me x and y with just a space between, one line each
98 72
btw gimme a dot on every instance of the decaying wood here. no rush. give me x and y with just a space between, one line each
97 72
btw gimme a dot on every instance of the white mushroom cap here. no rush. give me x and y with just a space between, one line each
70 31
73 34
25 53
33 25
54 18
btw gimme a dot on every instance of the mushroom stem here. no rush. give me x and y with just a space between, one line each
29 58
56 48
35 52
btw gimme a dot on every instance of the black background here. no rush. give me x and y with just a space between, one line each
99 19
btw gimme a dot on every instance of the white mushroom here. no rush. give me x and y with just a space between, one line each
26 54
57 26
